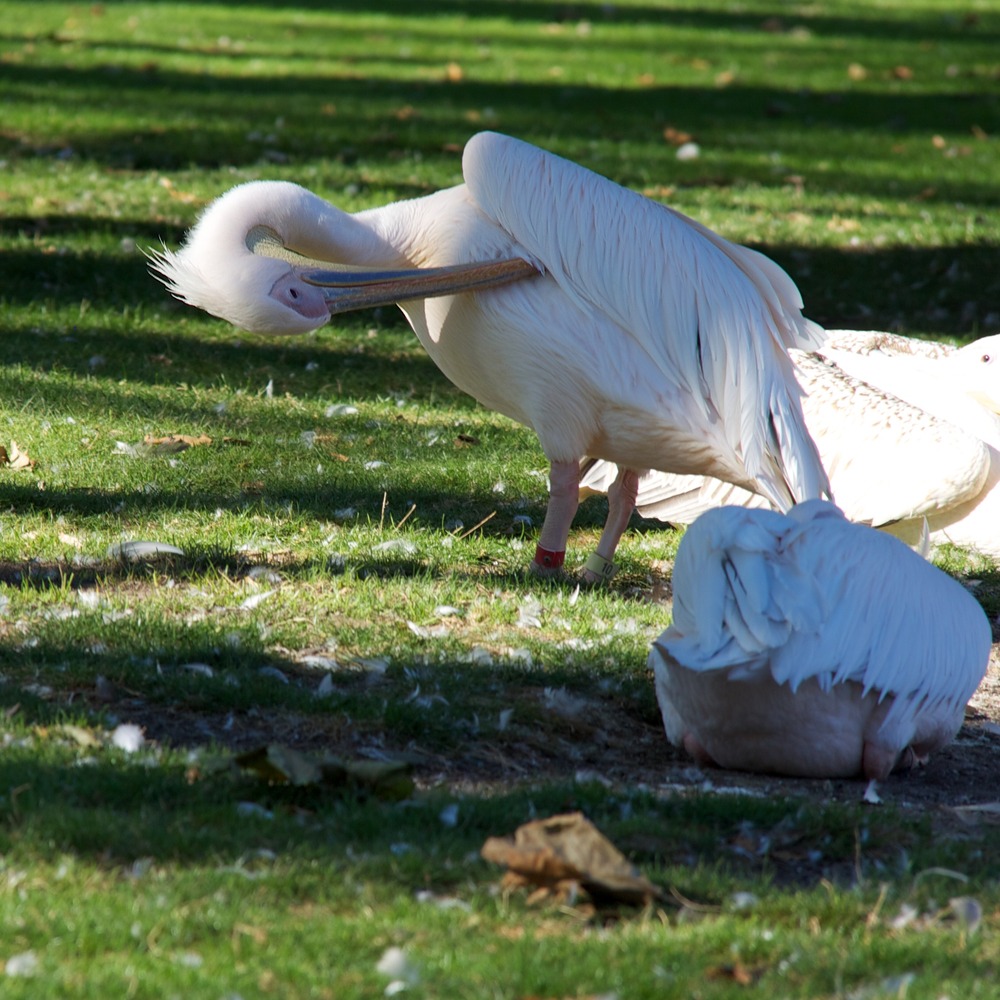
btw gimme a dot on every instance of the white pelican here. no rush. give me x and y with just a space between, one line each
906 429
803 644
643 337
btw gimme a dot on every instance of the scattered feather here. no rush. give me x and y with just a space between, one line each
562 703
136 551
871 795
428 632
319 662
253 809
325 688
449 815
201 669
128 737
256 599
504 719
906 916
274 673
529 614
442 902
967 911
23 964
396 965
398 545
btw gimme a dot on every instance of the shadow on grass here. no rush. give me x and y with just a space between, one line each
367 127
114 812
948 289
178 806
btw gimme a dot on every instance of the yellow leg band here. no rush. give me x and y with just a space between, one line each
604 568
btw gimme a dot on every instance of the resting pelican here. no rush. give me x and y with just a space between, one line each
907 430
804 644
642 337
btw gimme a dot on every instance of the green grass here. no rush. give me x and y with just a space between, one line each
853 142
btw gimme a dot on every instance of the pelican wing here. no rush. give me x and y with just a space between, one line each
888 460
842 603
922 381
714 318
883 343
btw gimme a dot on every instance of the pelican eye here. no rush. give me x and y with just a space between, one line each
986 359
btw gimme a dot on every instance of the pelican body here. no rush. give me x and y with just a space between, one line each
908 431
803 644
640 337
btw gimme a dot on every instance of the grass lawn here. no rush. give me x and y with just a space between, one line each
338 561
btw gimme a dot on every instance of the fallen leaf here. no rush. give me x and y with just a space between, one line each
839 224
80 735
173 443
182 196
676 137
737 972
902 73
454 72
562 852
14 458
280 765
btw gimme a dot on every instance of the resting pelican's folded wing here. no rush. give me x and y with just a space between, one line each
883 343
712 319
895 623
888 459
736 598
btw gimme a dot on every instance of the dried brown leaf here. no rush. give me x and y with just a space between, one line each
174 442
676 136
565 850
15 459
737 972
281 765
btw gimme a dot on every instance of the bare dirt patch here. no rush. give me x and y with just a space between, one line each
603 738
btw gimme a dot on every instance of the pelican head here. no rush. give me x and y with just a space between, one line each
217 269
977 369
272 257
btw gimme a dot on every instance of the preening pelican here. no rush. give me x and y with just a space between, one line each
643 338
907 430
803 644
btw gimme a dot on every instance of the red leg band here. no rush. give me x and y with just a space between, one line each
549 559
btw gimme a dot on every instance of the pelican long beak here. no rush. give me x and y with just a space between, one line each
363 289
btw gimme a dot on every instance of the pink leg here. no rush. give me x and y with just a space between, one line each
877 762
564 498
696 750
621 504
